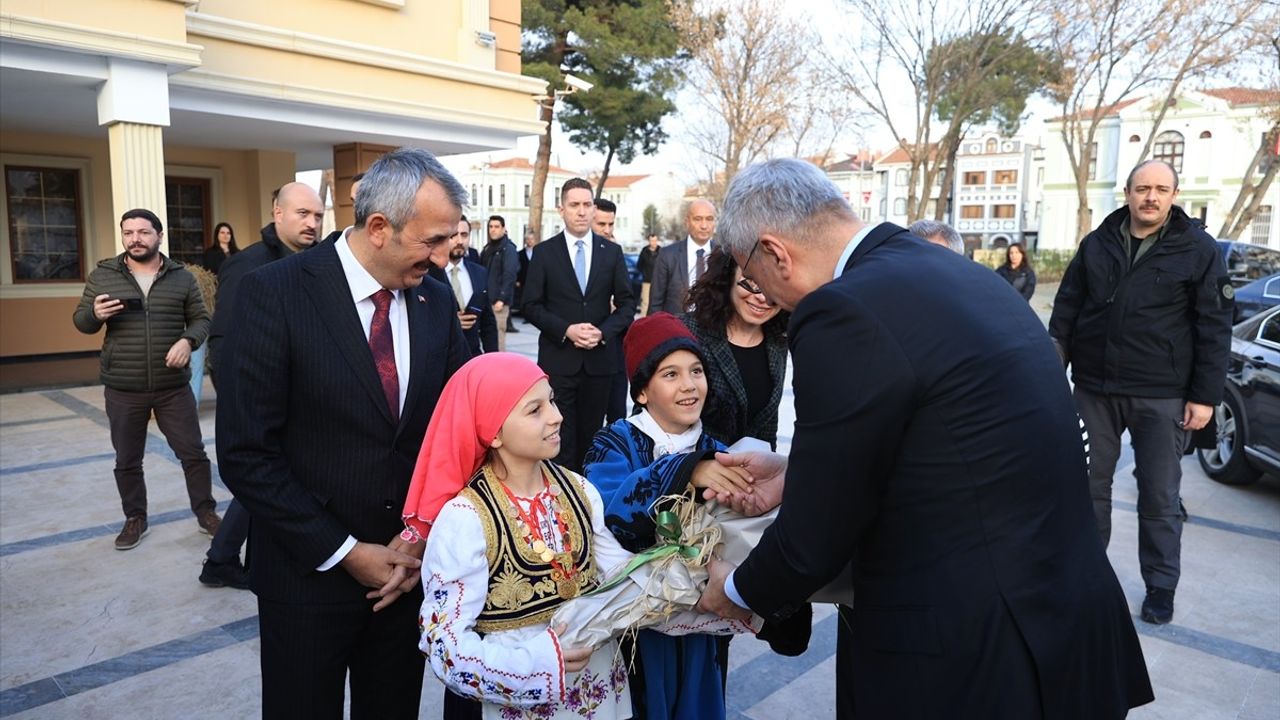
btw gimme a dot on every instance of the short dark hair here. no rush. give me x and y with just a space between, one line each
357 177
501 220
606 206
575 184
465 220
145 215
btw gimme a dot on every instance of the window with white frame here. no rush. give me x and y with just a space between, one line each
1260 229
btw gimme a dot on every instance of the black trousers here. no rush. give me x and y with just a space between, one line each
308 649
582 400
1154 425
175 410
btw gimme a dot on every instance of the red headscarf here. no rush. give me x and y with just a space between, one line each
472 408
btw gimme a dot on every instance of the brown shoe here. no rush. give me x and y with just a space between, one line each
209 521
135 528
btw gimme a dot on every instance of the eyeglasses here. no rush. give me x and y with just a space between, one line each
747 283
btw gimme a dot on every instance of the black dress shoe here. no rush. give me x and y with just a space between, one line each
229 574
1157 608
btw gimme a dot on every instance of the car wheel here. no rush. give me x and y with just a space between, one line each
1226 461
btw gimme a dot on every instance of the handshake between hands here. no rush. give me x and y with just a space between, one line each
751 483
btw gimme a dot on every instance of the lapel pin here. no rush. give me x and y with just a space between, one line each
422 299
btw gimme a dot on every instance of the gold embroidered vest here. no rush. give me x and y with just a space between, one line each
523 588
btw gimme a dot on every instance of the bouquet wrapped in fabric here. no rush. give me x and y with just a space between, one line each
659 587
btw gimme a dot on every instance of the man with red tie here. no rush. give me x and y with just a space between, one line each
339 358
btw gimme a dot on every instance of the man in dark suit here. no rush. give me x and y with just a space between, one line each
578 296
681 263
297 214
469 282
937 449
526 254
499 258
339 356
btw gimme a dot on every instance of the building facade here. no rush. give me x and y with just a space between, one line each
199 110
504 187
1210 136
991 206
632 194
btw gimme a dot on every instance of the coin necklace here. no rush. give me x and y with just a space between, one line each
562 569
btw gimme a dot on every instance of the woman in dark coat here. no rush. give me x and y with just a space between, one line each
224 246
1017 271
744 339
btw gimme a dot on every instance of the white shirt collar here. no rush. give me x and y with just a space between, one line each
362 284
665 443
848 249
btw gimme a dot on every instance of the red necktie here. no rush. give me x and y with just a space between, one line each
384 352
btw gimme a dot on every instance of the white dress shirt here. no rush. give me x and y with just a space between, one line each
691 254
571 245
363 286
464 281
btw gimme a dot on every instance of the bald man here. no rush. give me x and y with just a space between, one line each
680 264
297 214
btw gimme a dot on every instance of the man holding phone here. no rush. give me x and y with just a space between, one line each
470 281
155 318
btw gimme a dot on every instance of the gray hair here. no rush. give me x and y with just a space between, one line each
391 185
929 228
787 197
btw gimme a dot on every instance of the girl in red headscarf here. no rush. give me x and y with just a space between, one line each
512 537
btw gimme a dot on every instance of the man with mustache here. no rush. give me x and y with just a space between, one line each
1143 317
297 213
155 317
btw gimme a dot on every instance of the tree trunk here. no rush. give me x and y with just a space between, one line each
1231 228
1259 192
604 174
540 165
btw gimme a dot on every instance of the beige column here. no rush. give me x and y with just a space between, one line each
137 170
133 104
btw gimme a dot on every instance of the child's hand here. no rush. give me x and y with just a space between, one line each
724 480
574 658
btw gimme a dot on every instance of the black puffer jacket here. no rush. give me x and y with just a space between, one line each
133 354
1161 328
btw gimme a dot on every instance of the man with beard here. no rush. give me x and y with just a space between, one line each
602 224
470 283
499 258
297 215
154 316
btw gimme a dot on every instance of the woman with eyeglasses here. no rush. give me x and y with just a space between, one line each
744 336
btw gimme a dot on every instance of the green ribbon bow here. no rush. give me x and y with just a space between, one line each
669 534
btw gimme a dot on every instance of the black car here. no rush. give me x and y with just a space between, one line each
1249 416
633 275
1247 262
1257 296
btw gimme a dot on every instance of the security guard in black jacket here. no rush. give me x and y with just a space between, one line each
1143 317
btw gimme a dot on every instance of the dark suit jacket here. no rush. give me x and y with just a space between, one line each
553 302
305 437
937 447
671 278
270 249
483 336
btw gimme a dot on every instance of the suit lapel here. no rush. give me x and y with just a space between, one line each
331 295
419 327
595 274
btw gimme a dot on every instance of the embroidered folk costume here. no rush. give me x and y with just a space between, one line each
497 565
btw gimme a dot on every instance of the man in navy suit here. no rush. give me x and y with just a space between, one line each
578 296
469 282
980 587
339 357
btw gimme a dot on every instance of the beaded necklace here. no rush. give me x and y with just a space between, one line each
527 524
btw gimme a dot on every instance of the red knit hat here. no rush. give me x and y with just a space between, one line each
649 340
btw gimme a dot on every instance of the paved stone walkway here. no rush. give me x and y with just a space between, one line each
89 632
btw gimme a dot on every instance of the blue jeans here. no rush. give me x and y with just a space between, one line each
197 372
